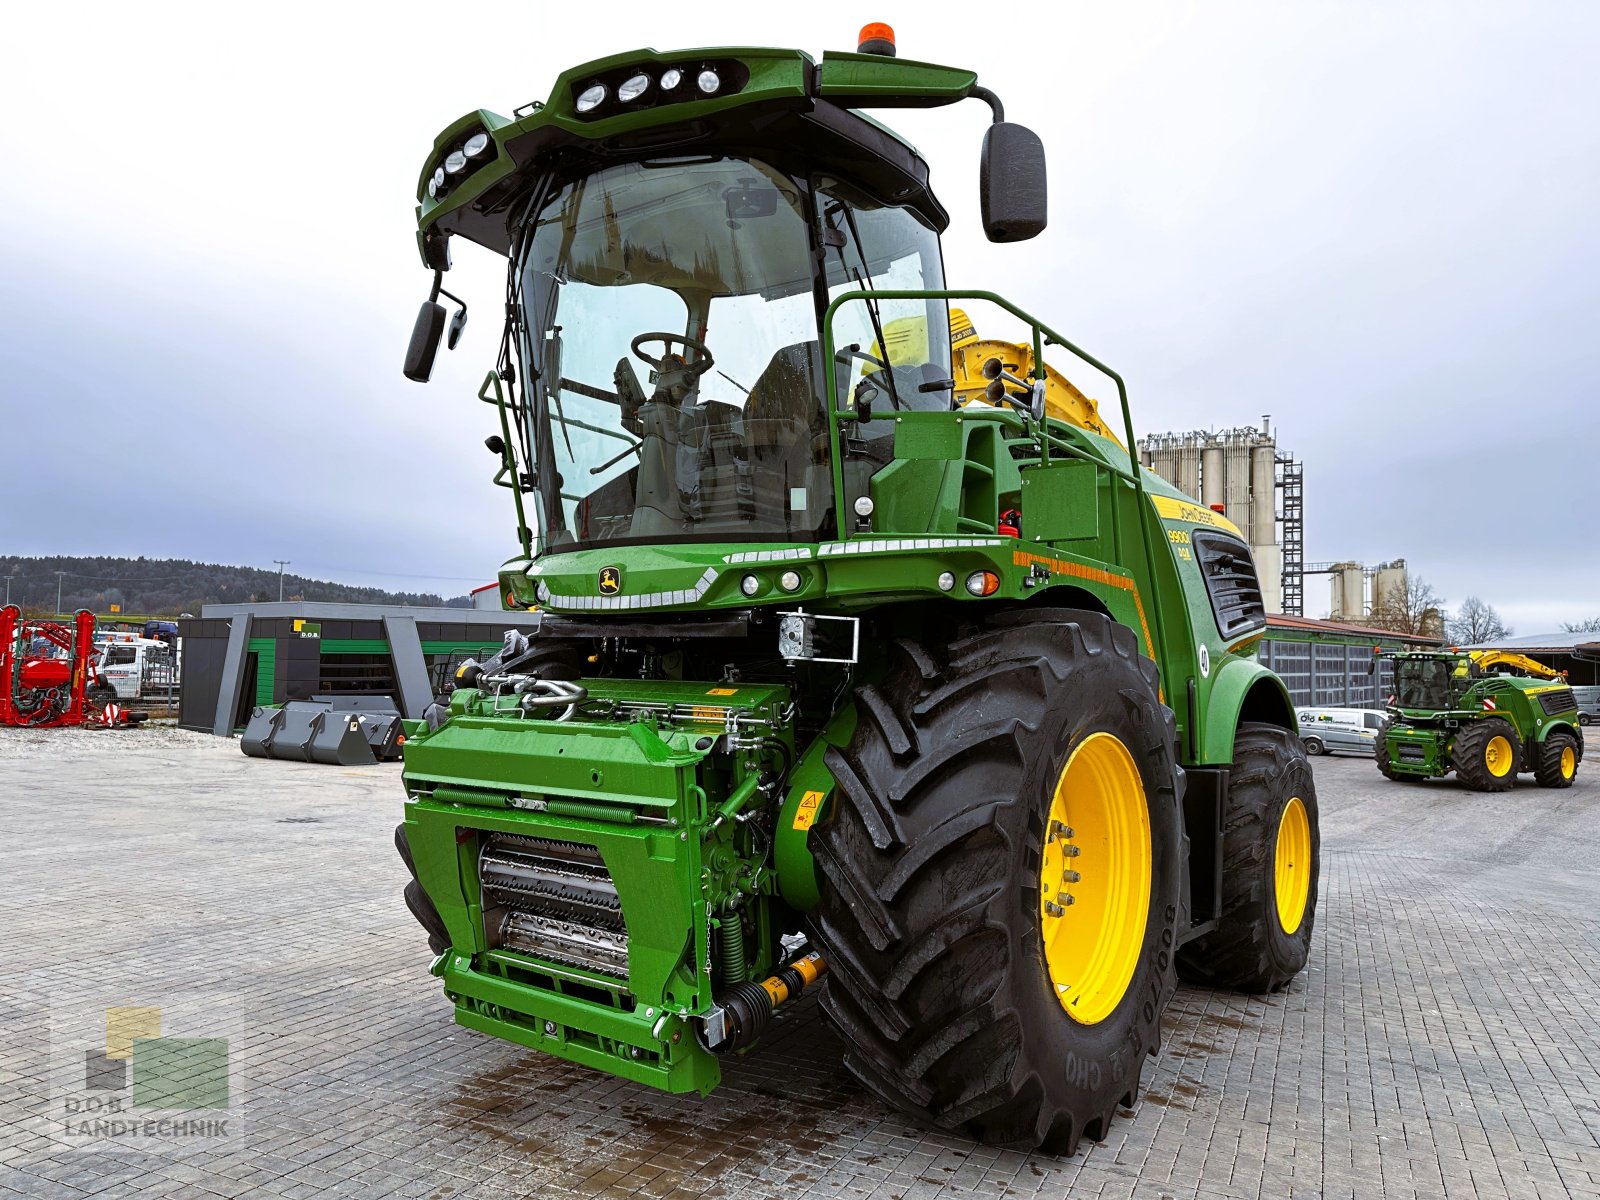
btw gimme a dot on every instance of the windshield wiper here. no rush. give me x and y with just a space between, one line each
865 273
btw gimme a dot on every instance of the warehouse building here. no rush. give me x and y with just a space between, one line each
238 656
1328 664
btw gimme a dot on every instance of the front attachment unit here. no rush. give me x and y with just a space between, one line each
601 866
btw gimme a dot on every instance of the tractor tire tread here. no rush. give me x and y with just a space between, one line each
1246 952
1468 750
914 857
1547 759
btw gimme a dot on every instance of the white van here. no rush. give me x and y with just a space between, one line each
1325 730
1588 698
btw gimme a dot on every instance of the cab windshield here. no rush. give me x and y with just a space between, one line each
669 333
1422 684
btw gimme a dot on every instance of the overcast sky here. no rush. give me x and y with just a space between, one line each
1377 222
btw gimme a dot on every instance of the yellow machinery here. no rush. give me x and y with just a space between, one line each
1486 659
905 341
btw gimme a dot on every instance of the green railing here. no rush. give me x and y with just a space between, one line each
1043 336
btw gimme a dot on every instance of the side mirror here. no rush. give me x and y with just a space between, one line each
457 324
1011 183
425 335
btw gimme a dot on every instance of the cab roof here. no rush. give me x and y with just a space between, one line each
780 105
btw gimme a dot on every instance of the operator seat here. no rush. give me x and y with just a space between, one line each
789 389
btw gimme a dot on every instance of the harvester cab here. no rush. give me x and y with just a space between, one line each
1487 715
868 654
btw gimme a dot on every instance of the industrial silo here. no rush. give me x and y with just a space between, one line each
1389 581
1212 482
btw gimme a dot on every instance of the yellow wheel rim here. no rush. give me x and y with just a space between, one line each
1094 878
1497 756
1291 874
1569 762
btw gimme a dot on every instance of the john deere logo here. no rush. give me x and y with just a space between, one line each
610 580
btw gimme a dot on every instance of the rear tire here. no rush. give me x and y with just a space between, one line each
1556 759
1487 755
1258 947
933 863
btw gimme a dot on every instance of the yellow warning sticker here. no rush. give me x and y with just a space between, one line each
806 815
723 692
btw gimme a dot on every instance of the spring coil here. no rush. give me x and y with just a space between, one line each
731 965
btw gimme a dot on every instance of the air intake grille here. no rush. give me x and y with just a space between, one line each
1231 582
1559 701
1414 754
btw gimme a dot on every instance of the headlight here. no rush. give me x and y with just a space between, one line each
476 145
438 177
671 78
708 81
947 581
591 98
631 89
750 585
983 583
789 581
455 163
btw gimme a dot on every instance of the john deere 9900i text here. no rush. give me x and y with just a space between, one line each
867 653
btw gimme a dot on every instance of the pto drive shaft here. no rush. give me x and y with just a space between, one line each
742 1013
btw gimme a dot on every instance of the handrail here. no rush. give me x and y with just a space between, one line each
1043 335
508 458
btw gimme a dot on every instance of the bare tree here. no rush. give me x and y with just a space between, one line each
1412 607
1477 622
1591 625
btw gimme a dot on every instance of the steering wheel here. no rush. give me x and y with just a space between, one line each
694 369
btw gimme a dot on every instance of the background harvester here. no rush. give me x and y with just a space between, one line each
1487 715
864 658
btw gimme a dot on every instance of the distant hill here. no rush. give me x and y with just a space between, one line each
168 586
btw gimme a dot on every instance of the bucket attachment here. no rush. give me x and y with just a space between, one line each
323 731
340 741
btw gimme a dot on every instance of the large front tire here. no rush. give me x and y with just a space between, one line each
1487 754
1271 851
1032 754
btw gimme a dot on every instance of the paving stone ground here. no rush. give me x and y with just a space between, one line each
1444 1042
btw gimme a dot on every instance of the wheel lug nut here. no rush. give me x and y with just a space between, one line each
1070 877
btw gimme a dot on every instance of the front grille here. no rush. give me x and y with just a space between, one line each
1414 754
1559 701
1230 576
552 900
